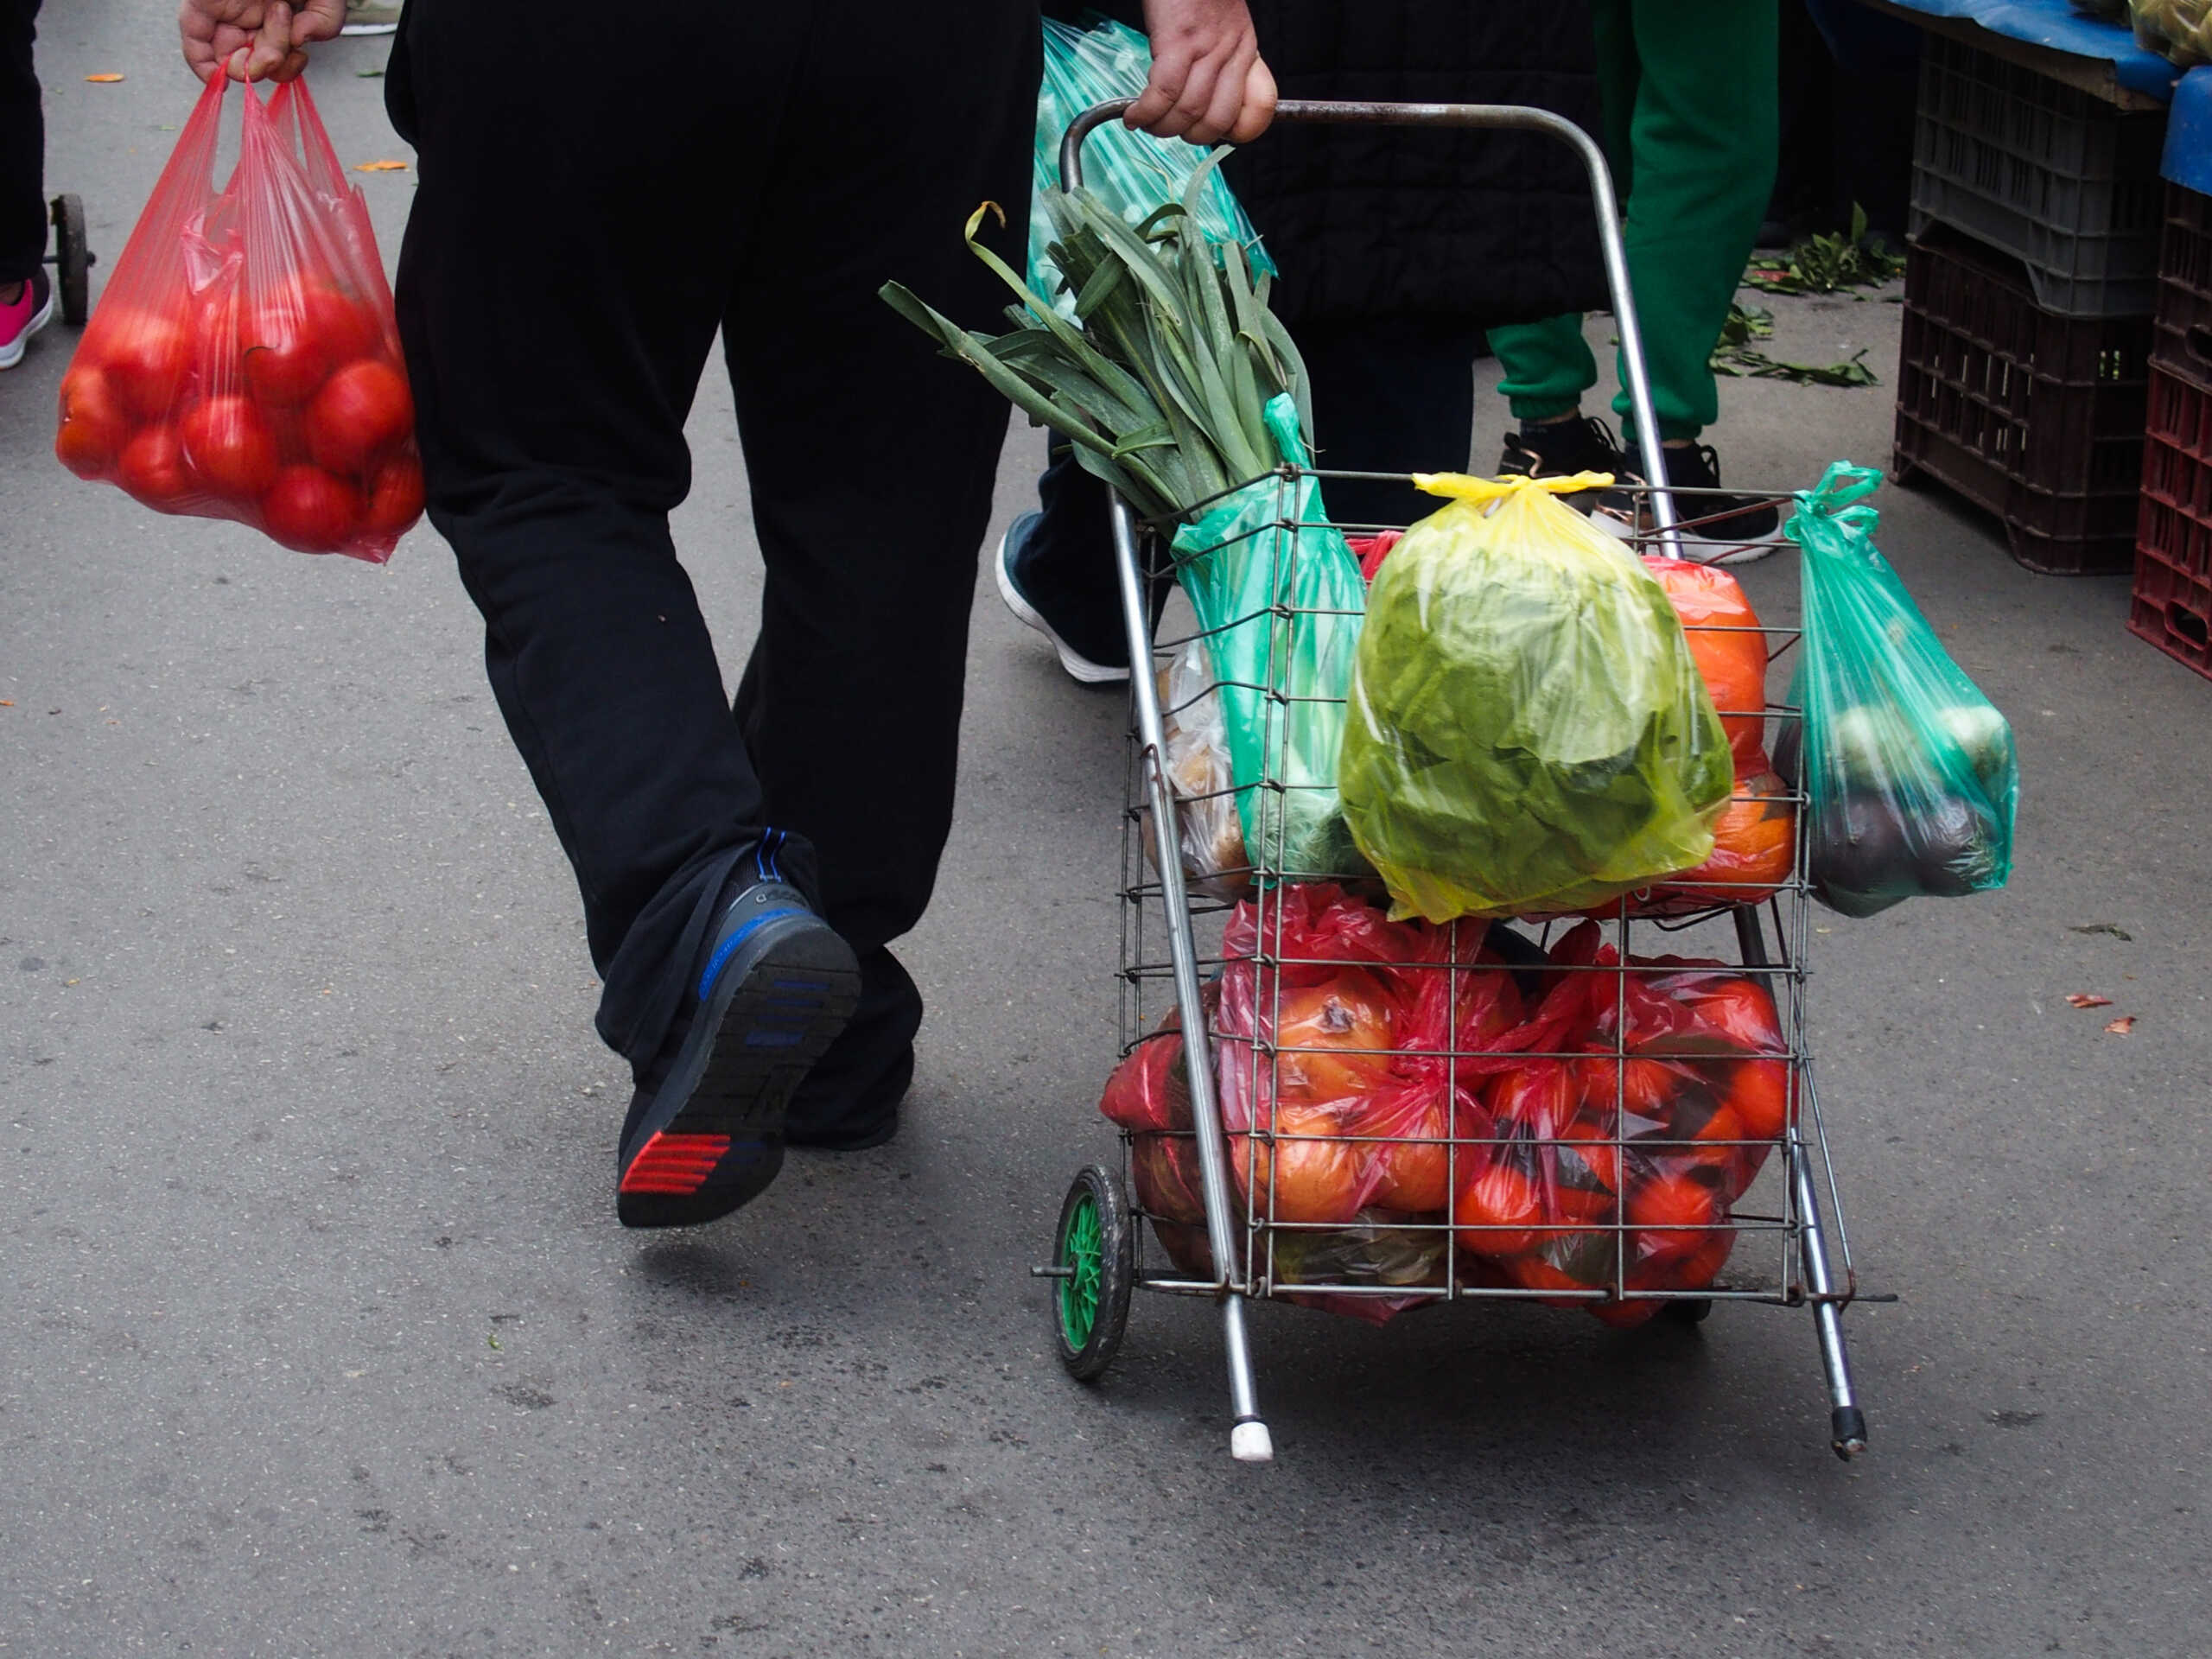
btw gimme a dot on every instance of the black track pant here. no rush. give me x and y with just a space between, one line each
596 200
23 147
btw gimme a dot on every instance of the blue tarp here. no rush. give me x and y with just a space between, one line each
2055 24
2189 133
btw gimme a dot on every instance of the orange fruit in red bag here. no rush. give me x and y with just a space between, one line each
1312 1180
1716 620
1320 1032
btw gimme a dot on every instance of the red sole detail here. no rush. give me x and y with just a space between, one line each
674 1165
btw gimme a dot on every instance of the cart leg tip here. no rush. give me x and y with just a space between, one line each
1249 1442
1847 1432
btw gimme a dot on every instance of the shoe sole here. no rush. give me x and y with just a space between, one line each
12 353
1078 667
722 1143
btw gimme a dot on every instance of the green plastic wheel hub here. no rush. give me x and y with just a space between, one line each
1081 1254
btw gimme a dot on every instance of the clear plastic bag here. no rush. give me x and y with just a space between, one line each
2178 30
1279 597
1528 730
1910 771
1199 772
244 362
1135 174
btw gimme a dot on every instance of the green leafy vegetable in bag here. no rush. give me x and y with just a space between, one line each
1527 731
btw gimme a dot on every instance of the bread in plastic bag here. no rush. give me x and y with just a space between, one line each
1199 771
1910 771
244 361
1527 731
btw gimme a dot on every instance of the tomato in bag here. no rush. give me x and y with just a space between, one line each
244 362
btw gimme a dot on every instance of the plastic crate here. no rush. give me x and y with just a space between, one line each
2045 172
2183 345
2036 416
2172 607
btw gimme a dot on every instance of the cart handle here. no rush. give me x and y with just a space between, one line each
1331 111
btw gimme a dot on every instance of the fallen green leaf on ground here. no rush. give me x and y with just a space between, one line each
1735 355
1826 264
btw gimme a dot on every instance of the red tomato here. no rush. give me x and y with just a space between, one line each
362 411
396 502
1586 1175
343 328
94 425
309 511
1673 1208
1760 1093
1498 1210
147 356
229 447
152 467
284 363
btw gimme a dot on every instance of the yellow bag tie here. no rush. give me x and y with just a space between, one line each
1463 487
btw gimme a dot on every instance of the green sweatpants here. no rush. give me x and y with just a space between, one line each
1689 91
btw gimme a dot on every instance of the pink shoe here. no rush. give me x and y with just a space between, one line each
24 317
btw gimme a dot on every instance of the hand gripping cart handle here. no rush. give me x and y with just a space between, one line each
1094 1259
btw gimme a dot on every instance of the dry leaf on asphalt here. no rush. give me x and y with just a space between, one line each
102 80
379 167
2122 1026
2087 1000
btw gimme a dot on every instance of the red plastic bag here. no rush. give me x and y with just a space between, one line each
1617 1167
244 362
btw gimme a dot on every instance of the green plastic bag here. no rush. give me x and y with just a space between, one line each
1135 174
1911 771
1281 600
1527 732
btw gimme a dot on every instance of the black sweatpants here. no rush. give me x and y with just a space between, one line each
596 201
23 147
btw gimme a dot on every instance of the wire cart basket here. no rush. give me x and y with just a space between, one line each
1240 1194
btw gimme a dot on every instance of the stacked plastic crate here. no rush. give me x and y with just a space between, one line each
2173 569
2022 384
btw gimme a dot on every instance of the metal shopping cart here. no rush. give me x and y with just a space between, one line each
1201 1206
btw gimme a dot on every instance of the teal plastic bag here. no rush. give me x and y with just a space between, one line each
1528 732
1912 772
1133 173
1279 598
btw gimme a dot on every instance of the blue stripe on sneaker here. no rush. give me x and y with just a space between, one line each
723 952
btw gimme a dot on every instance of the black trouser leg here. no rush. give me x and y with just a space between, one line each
575 242
23 147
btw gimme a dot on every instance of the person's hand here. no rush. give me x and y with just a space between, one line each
254 40
1208 85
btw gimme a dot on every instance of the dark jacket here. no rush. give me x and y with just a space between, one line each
1490 227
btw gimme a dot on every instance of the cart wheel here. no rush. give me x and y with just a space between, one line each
1692 1310
1095 1254
72 259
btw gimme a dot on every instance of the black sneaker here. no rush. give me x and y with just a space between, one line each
1562 448
773 987
1714 528
1091 648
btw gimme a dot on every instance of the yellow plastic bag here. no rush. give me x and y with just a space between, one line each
1527 731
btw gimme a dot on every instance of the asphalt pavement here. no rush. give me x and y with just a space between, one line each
318 1335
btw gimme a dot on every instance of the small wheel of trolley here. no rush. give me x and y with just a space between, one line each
1694 1310
71 259
1094 1267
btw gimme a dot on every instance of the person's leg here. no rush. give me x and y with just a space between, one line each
22 153
1547 366
1056 571
1390 395
555 346
1702 135
873 460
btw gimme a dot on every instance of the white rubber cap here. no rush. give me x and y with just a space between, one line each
1250 1443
